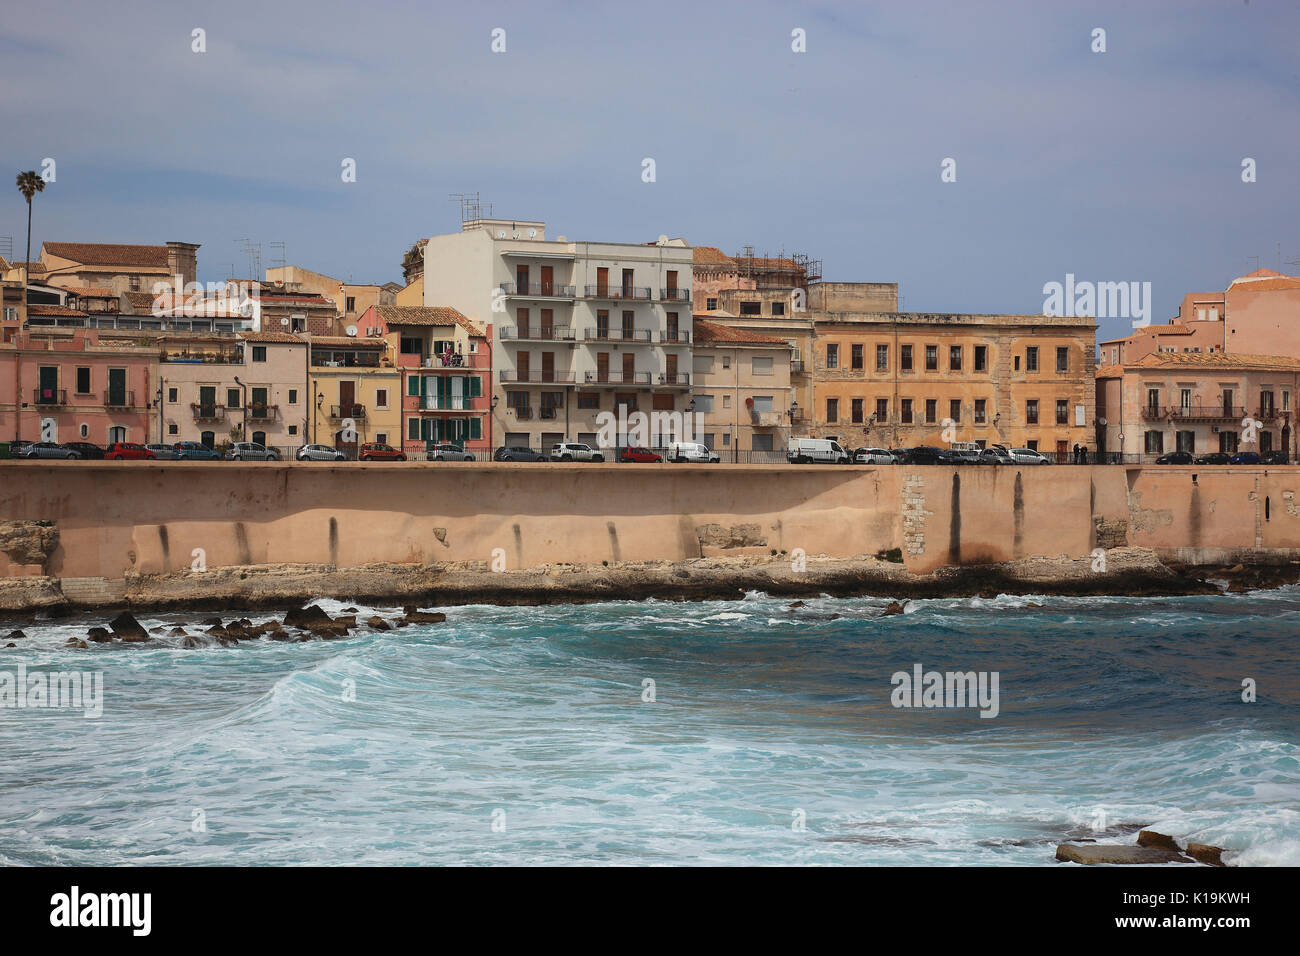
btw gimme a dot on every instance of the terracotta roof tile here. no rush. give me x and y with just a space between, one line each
1215 360
426 315
56 310
361 343
711 256
94 292
706 332
278 337
108 254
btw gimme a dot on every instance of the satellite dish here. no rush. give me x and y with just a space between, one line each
532 233
352 330
501 233
284 321
1101 422
663 240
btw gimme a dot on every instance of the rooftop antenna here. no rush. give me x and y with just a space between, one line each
283 257
471 207
1256 258
1295 263
7 248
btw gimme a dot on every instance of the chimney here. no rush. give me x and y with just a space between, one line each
182 261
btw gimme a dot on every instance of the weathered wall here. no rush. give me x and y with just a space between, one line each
112 517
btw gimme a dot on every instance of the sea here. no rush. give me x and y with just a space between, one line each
762 731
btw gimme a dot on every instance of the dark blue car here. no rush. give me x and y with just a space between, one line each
1244 458
194 451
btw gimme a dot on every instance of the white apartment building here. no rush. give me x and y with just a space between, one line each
578 328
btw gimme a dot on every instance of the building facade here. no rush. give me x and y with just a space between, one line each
355 388
742 392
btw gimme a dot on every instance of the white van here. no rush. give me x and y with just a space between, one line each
801 451
691 451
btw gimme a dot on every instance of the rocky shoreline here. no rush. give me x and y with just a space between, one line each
1128 572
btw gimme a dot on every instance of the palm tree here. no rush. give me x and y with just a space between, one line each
29 184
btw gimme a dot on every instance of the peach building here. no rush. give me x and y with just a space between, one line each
742 391
1198 402
354 386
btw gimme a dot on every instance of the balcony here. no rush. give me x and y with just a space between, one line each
545 333
220 357
674 379
457 362
675 295
617 378
447 403
536 377
765 419
208 413
522 412
549 414
635 336
1204 413
796 367
619 292
50 396
1271 414
119 398
539 290
675 337
353 411
270 412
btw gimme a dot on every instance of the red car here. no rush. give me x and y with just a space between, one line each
375 451
128 451
637 453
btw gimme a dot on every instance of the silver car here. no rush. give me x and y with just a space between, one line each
47 449
450 452
874 456
995 456
1027 456
163 452
251 451
319 453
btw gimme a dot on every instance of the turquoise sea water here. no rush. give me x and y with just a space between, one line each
1114 712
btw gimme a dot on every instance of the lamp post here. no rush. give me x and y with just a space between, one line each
320 398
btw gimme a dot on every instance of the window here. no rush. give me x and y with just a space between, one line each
762 442
83 381
1155 442
703 364
352 306
1031 412
726 440
905 358
882 409
1153 401
710 305
751 308
882 358
1185 398
85 431
931 410
1062 359
832 410
413 429
172 429
778 308
1062 412
293 430
905 411
761 366
981 411
516 399
703 403
981 358
1266 404
1031 358
832 356
11 313
726 401
726 361
233 398
172 396
763 403
954 358
293 396
856 411
259 438
954 409
589 399
381 399
1016 363
932 358
856 358
1286 400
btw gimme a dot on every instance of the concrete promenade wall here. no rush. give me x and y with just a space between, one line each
113 517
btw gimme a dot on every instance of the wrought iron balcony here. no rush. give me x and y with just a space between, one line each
601 334
340 412
621 292
540 290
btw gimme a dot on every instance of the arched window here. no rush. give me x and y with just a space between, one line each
209 439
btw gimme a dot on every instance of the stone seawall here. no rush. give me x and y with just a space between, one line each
99 525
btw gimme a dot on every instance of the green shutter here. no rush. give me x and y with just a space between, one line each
413 385
476 426
475 386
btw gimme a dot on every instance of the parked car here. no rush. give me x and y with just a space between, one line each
1028 456
194 451
925 455
635 453
1213 458
378 451
319 453
88 450
874 456
996 456
1176 458
450 452
802 451
517 453
1274 458
692 451
251 451
963 456
47 449
163 452
128 451
1244 458
575 451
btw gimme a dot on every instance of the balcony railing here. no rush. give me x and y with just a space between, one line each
522 412
447 403
542 290
1271 413
50 396
674 378
545 333
208 413
457 360
618 378
600 334
1201 412
633 292
675 295
271 412
536 377
227 357
339 412
548 413
119 398
796 366
675 336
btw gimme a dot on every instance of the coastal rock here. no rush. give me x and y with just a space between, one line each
424 617
191 642
81 645
1207 854
11 644
100 635
1158 840
128 628
377 623
177 631
894 607
15 636
796 605
28 542
1094 853
306 616
736 536
211 622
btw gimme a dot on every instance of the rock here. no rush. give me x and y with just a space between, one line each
191 641
11 644
1207 854
797 604
82 645
349 610
128 628
1095 853
28 542
894 607
306 616
349 621
1159 840
377 623
99 635
424 617
178 631
15 636
212 622
217 631
409 609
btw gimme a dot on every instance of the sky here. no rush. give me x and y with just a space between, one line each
1123 165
